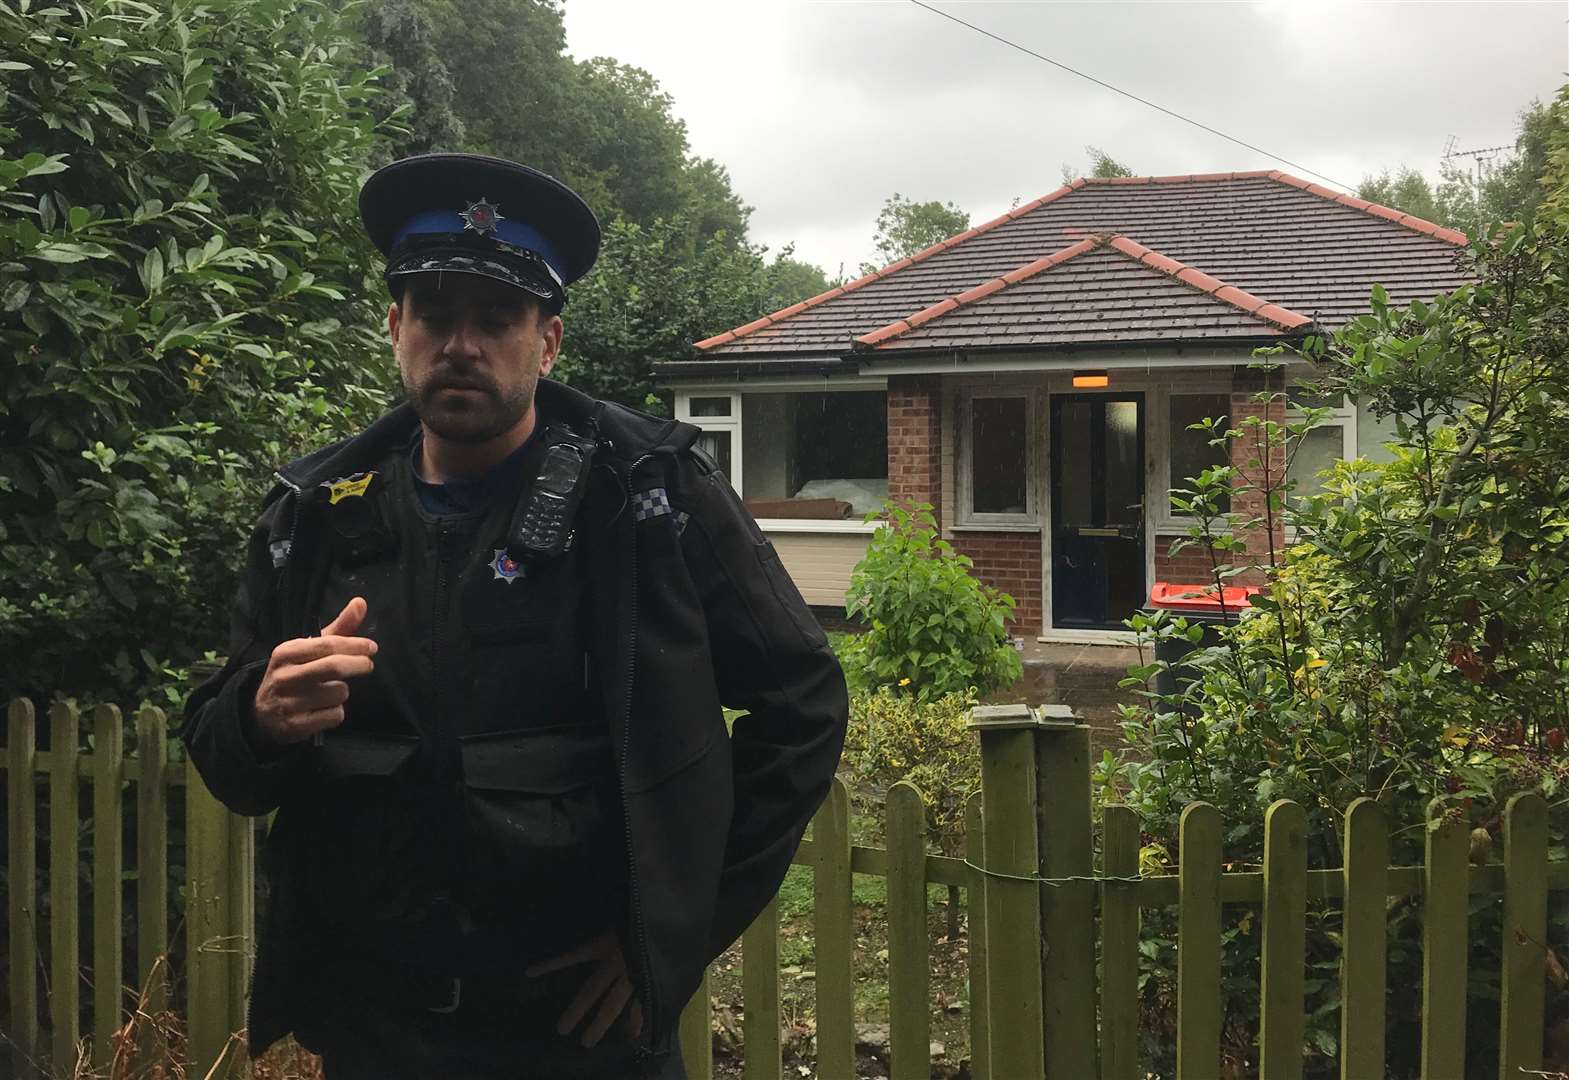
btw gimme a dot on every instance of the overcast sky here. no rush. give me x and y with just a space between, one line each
820 109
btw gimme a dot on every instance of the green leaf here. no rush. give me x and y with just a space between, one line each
114 112
15 295
57 252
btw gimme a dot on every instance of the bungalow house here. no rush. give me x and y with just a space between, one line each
1033 378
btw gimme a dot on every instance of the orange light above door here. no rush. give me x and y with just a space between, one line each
1089 380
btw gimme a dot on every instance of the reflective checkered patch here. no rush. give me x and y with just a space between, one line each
650 503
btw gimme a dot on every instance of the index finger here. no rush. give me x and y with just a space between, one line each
304 650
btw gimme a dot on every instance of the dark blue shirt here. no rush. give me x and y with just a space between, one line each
466 496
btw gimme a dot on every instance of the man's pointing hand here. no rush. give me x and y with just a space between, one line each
305 685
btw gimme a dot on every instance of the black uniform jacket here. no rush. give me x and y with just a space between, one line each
692 610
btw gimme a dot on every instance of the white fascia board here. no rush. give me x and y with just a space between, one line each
780 382
956 364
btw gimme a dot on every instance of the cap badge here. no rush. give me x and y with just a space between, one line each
504 567
481 216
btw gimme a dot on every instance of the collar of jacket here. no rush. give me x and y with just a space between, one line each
625 435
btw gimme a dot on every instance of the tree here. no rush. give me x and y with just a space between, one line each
1102 166
186 302
400 34
790 280
1411 645
905 227
653 293
1506 189
1406 190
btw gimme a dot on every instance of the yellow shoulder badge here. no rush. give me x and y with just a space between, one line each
349 487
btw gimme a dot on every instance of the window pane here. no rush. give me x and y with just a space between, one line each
1319 449
709 406
1191 452
815 455
998 457
1124 470
716 444
1074 457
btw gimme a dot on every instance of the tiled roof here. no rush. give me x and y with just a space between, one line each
1116 292
1298 246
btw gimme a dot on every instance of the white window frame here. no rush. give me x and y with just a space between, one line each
733 425
1343 416
1165 522
965 458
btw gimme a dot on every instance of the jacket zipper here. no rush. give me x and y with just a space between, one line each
639 929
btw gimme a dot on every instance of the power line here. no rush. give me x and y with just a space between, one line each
1128 94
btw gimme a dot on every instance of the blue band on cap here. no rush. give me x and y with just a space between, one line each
507 230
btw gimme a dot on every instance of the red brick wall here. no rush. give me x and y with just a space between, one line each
915 441
1248 456
1190 566
1010 562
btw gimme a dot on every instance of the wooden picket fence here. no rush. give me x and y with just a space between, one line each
1054 937
218 900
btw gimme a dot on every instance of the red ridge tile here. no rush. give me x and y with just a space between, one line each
1129 247
1199 279
1282 316
1353 202
1238 298
926 315
755 324
969 296
1385 212
882 333
1207 283
1157 261
717 339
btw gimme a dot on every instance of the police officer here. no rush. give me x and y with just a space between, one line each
478 658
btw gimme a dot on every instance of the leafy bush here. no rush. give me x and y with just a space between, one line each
1410 646
893 737
934 629
187 301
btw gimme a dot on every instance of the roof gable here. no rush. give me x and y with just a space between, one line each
1117 291
1289 243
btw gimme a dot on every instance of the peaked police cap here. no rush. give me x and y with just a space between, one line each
468 213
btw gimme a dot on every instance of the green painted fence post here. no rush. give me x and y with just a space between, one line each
1198 944
1445 908
152 857
909 968
1364 951
760 995
975 909
833 918
1119 946
1068 907
697 1035
22 868
1283 966
108 880
1013 896
207 925
1525 935
64 895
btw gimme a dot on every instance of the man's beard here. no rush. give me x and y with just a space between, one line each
472 418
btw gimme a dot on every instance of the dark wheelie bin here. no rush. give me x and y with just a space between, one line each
1197 604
